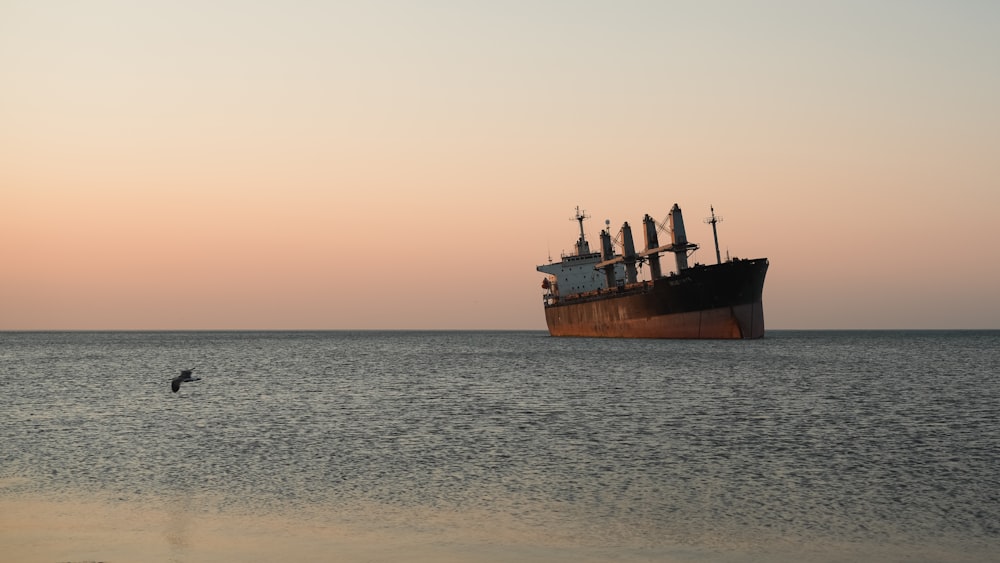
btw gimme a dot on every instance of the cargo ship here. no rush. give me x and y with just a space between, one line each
599 294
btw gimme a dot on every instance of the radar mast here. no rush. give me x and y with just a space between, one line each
582 246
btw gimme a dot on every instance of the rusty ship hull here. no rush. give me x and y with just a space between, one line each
722 301
599 293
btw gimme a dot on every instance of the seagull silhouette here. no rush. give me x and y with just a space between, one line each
184 377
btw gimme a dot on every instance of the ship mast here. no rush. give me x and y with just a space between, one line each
582 246
713 220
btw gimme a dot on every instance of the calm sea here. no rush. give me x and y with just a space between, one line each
507 446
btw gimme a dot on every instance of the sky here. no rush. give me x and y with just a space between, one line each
406 165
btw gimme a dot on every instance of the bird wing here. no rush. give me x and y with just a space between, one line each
175 384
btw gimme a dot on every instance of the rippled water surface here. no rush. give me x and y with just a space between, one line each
822 446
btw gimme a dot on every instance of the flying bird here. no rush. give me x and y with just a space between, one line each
184 377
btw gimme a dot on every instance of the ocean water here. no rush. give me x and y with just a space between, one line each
500 446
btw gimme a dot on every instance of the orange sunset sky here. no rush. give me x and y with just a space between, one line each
406 165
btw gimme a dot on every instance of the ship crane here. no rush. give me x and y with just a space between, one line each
628 257
679 244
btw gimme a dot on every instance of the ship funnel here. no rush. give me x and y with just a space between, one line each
608 253
652 241
628 254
